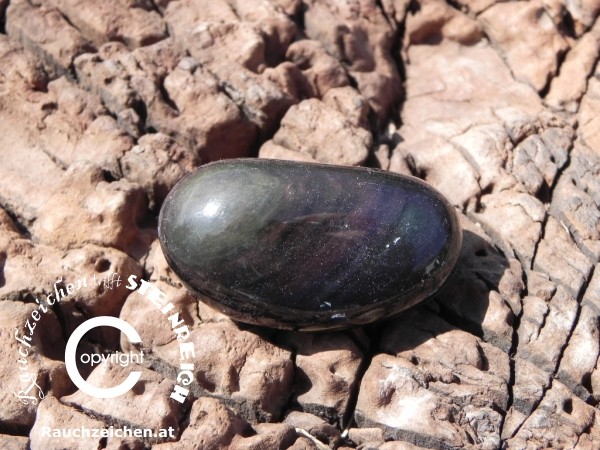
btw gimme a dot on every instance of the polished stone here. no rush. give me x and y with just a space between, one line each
307 246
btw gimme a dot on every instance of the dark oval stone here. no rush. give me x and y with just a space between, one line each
307 246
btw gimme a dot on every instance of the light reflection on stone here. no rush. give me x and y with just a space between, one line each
307 246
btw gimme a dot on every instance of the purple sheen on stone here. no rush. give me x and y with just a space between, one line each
307 246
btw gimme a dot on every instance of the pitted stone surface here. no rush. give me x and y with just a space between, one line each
104 106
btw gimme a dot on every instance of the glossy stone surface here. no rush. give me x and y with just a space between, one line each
307 246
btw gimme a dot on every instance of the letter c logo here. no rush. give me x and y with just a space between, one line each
71 364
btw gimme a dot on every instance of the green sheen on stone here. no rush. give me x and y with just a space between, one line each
307 246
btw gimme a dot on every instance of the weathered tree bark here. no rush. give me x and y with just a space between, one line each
105 105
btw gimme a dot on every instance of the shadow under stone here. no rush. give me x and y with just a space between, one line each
468 294
462 303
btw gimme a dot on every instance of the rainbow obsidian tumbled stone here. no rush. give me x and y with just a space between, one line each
307 246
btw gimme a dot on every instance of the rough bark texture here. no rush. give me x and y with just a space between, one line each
105 105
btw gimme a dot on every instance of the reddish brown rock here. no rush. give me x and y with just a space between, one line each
195 92
449 133
104 271
418 141
395 398
243 370
315 426
327 372
270 150
569 86
23 193
55 415
584 13
484 294
395 9
367 437
211 425
580 365
139 310
208 314
129 83
559 257
7 226
268 435
538 158
85 279
212 36
584 171
588 118
93 211
399 445
428 394
3 6
154 87
487 148
274 22
576 201
322 70
71 126
477 375
322 133
27 270
96 275
214 426
420 159
32 368
359 35
514 221
163 277
291 80
74 122
14 442
545 327
103 143
157 268
210 39
124 444
533 60
42 30
20 68
529 386
263 28
262 100
303 443
146 405
156 163
114 21
475 6
560 419
350 103
436 20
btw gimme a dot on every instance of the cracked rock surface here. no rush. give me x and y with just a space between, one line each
104 106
